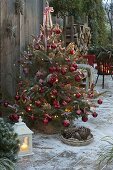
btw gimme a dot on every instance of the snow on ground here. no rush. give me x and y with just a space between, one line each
51 154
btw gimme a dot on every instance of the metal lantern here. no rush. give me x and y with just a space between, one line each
25 137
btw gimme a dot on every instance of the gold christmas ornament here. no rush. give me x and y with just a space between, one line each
35 88
51 55
71 46
69 109
46 106
67 87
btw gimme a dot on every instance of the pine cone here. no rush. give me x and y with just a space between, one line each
76 135
84 132
80 133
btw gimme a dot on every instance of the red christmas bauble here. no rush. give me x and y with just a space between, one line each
71 68
32 117
94 114
53 46
47 116
100 101
74 65
48 46
17 97
38 103
66 123
78 112
52 80
6 104
28 108
63 71
64 103
56 104
78 95
23 97
84 119
45 121
54 92
77 78
14 117
41 89
72 52
67 59
58 69
68 99
52 69
57 31
91 95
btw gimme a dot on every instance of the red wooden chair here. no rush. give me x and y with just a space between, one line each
104 67
90 58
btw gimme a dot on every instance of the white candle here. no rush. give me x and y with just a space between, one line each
24 147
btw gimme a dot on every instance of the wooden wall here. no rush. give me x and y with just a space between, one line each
11 46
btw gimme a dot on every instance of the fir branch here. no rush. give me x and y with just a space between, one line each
106 155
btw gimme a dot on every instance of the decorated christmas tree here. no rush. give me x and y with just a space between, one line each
50 91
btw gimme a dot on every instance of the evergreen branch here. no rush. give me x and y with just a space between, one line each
9 165
106 155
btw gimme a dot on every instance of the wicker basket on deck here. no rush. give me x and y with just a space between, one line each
77 136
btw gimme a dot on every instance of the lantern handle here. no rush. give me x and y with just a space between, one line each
20 119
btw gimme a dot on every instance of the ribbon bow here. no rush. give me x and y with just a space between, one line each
47 20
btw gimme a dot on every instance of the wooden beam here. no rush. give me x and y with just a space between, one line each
0 52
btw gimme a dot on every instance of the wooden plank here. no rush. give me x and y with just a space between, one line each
9 46
26 25
0 51
32 19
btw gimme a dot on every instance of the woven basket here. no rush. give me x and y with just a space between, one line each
75 142
51 128
48 129
77 136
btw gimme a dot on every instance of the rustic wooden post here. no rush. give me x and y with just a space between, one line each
72 28
0 51
64 29
24 26
9 46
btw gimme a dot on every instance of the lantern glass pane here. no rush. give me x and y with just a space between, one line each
24 145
